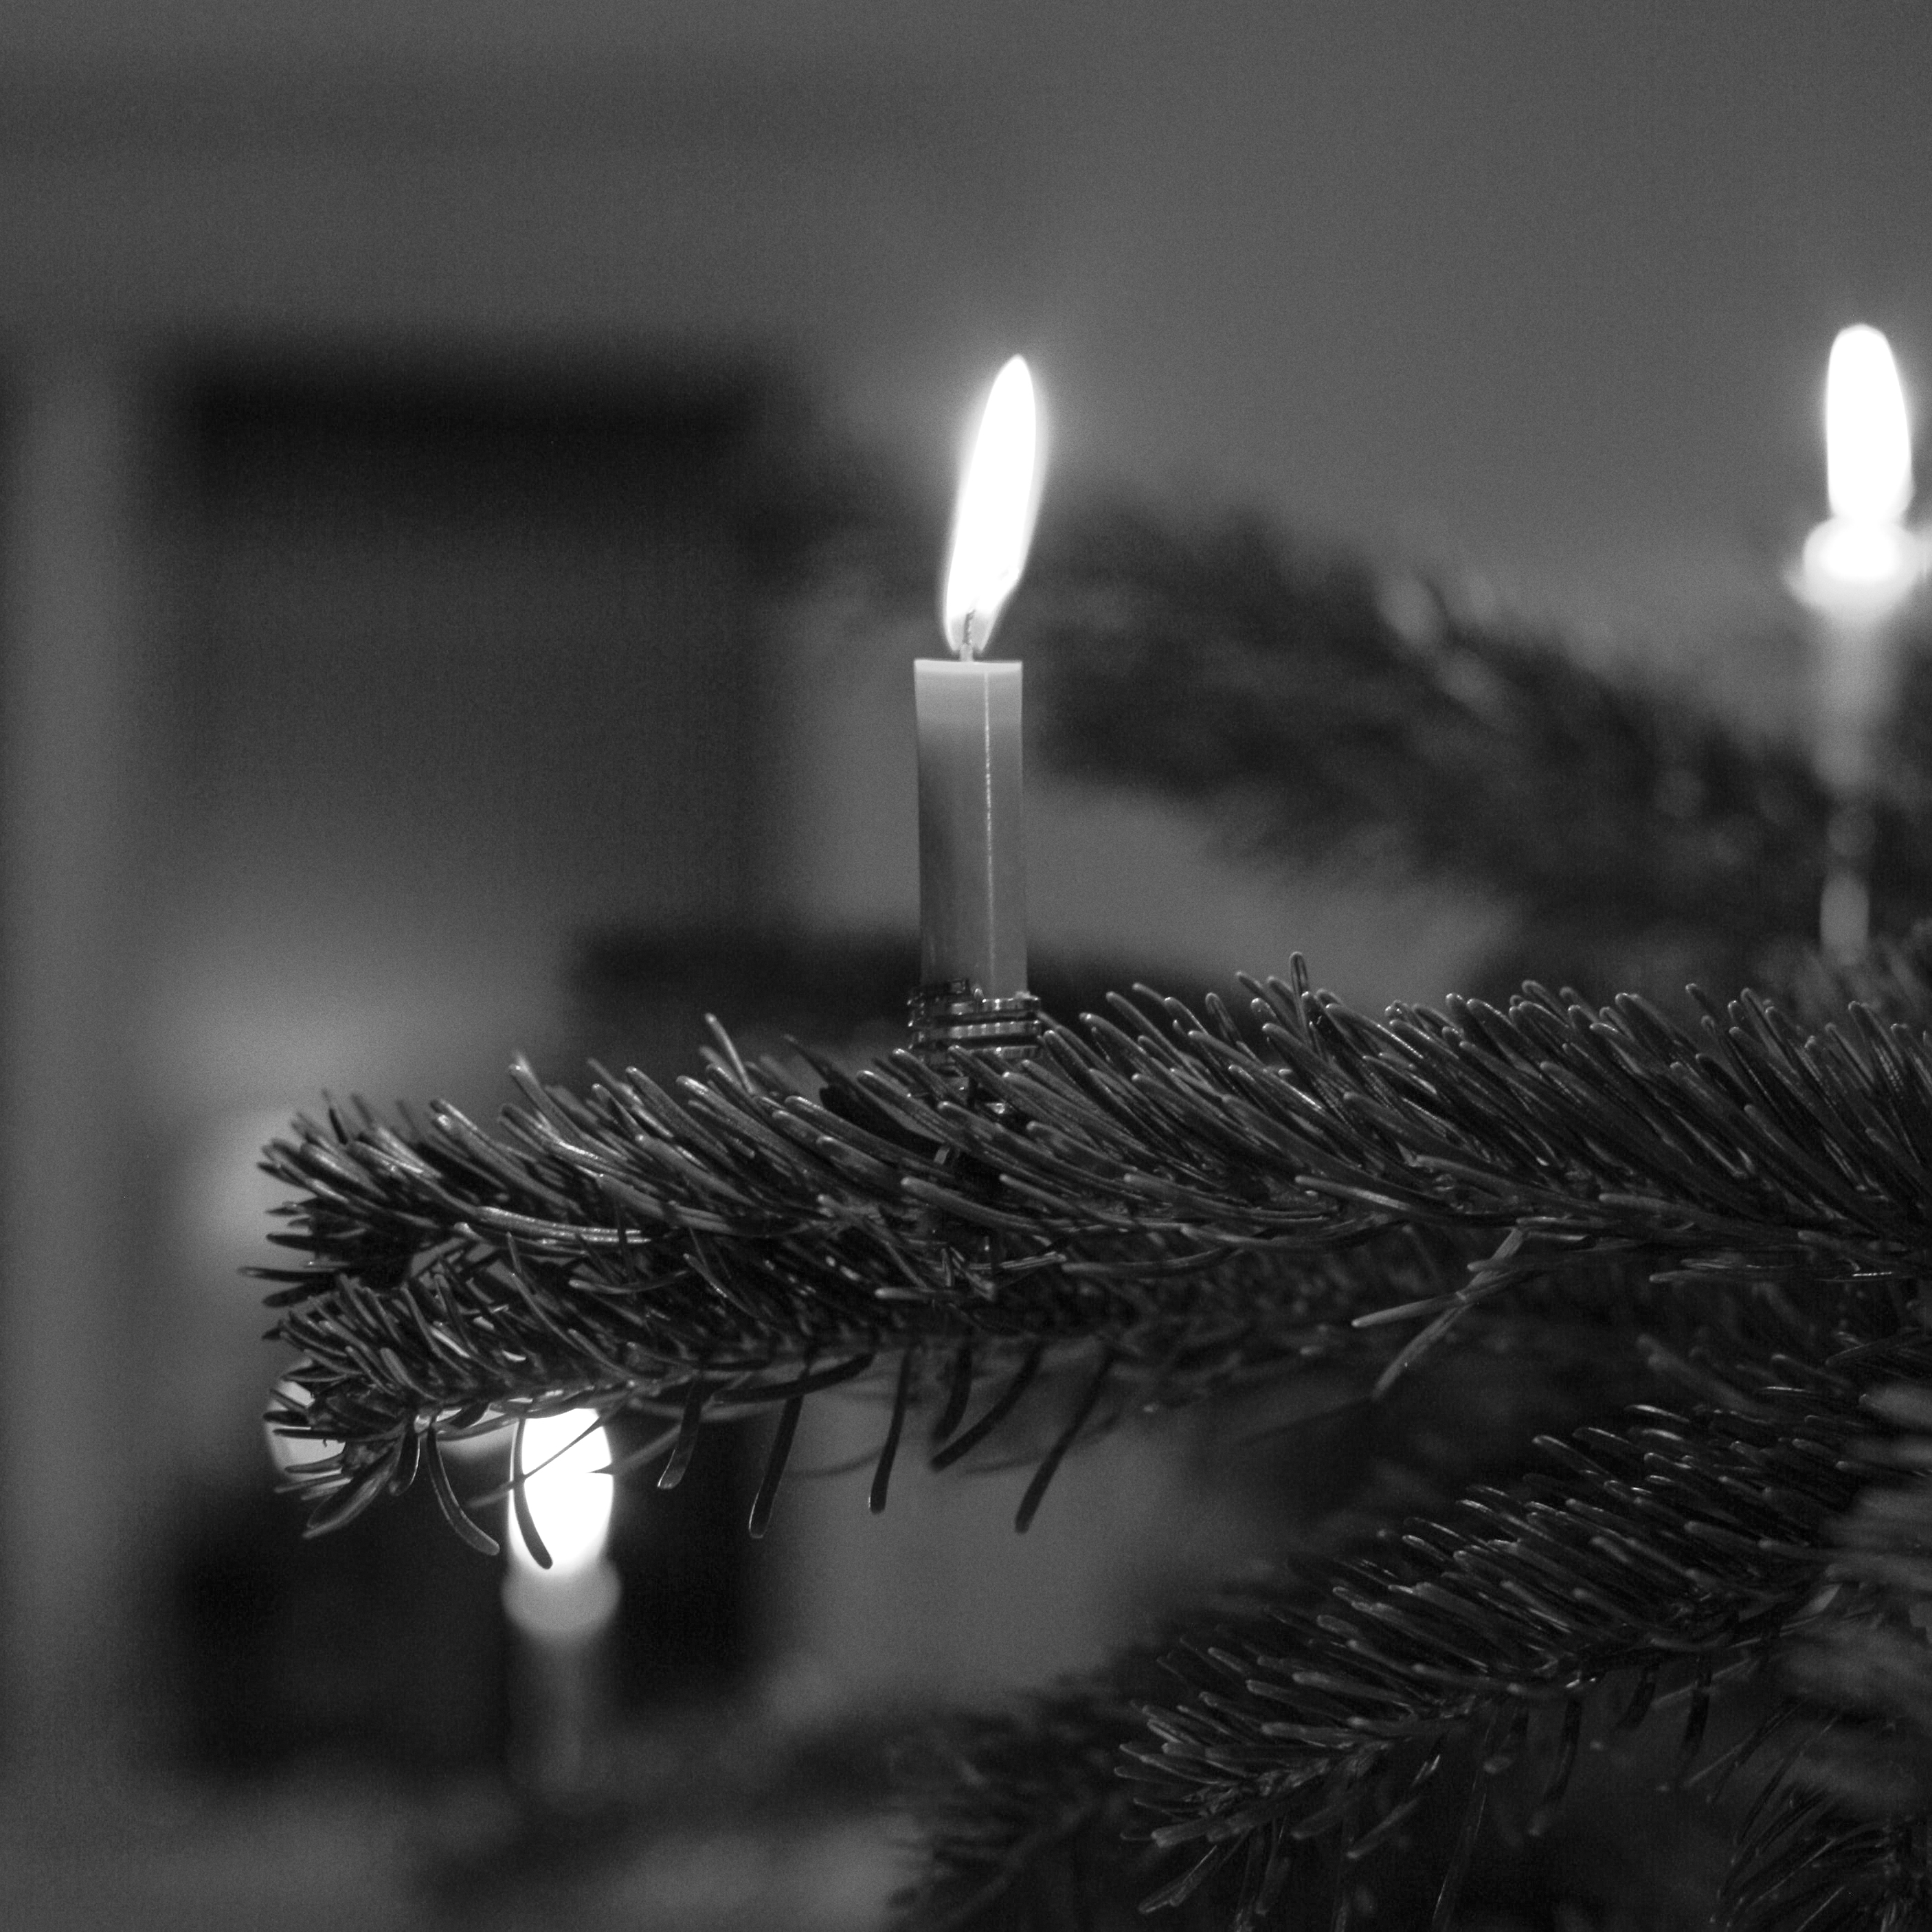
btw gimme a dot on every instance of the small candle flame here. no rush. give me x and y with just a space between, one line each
992 522
567 1483
1867 440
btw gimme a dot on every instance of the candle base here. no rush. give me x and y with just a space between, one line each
955 1013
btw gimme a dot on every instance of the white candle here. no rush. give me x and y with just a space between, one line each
972 851
561 1685
1860 564
972 859
1858 567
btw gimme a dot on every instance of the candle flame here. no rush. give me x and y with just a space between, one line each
1868 439
567 1484
992 522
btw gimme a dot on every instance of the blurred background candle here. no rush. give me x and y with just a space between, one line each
972 854
1858 568
561 1616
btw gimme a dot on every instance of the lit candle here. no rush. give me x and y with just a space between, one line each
562 1614
1859 566
972 852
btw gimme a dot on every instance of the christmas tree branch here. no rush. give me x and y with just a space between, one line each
1026 1802
1380 1705
1839 1842
1163 1205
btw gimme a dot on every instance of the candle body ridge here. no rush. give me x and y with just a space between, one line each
972 849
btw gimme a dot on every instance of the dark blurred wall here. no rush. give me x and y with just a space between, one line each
466 664
76 1441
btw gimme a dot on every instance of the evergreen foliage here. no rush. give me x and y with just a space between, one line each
1705 1232
1159 1208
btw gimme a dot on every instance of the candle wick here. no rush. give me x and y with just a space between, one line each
968 649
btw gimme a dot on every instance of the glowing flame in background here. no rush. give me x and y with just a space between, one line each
567 1480
993 518
1861 561
1868 438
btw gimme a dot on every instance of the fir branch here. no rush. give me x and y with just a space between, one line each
1187 1204
1675 1554
1026 1804
1839 1838
1023 1815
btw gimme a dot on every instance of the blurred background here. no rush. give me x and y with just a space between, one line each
446 452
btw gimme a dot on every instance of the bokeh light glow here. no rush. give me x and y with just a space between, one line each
566 1460
1858 555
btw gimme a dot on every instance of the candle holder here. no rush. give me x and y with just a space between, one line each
955 1013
